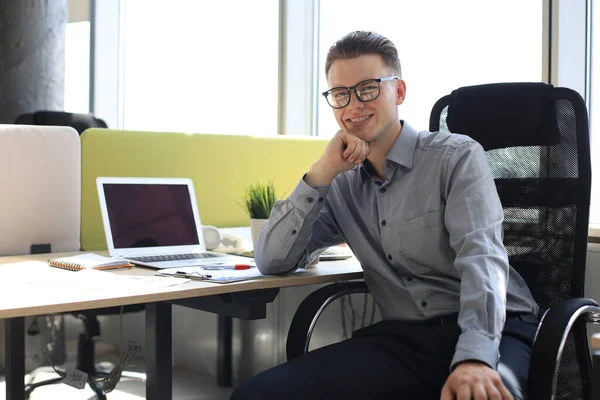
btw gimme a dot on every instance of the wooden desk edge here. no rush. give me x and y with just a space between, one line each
186 290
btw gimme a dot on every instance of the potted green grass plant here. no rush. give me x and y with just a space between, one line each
259 199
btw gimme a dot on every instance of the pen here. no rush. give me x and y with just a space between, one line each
237 267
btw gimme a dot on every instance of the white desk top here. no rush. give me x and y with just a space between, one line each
48 299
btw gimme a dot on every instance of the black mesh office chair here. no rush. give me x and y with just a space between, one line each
80 122
537 143
86 360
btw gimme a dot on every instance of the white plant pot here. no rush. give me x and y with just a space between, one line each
256 226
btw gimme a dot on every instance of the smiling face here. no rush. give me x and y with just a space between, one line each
373 120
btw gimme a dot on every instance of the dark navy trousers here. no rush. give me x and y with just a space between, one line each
388 360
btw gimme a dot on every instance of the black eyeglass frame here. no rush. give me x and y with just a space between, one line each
348 89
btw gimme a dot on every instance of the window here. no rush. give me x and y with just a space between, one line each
594 111
77 67
199 66
441 46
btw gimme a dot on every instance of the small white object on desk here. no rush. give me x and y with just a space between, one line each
333 253
227 240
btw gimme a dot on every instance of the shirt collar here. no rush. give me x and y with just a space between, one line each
402 152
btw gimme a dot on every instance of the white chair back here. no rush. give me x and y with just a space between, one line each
40 189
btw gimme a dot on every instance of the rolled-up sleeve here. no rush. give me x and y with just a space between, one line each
474 218
294 230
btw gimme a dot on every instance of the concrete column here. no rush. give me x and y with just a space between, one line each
32 78
32 56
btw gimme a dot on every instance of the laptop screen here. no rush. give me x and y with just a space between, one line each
150 215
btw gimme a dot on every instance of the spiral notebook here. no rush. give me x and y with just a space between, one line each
88 261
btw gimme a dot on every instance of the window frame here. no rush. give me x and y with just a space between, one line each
569 55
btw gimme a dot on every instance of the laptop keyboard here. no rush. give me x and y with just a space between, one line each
175 257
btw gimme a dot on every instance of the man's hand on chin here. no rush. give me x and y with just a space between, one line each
474 380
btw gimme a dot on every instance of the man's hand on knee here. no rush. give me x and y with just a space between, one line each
473 380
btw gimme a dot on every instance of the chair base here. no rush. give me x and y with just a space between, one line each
101 371
95 386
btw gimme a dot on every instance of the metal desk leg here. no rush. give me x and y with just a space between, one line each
14 349
244 305
159 371
224 353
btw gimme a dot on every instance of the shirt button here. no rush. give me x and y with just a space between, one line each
424 304
382 190
310 199
320 199
383 223
294 231
390 257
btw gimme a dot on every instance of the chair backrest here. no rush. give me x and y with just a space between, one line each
40 189
537 142
80 122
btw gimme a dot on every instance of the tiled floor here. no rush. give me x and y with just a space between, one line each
186 386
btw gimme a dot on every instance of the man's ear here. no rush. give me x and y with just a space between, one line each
400 92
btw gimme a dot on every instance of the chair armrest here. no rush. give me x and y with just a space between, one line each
550 340
310 309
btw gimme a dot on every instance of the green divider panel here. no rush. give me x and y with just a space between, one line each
221 166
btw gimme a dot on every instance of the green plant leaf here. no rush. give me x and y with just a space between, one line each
259 199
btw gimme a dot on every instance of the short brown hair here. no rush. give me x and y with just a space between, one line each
359 43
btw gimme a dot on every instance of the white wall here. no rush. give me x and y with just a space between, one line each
592 277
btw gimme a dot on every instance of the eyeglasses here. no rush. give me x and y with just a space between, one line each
339 97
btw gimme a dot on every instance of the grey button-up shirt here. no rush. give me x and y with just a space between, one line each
429 238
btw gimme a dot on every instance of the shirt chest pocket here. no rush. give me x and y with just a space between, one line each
424 242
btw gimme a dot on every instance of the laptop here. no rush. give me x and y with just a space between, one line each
155 222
